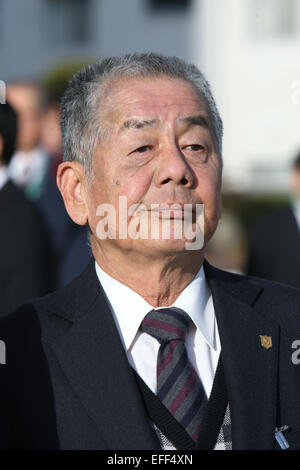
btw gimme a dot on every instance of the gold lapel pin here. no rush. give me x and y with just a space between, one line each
266 341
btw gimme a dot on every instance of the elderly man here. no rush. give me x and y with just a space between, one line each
150 347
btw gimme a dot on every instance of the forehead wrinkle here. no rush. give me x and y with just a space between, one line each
113 114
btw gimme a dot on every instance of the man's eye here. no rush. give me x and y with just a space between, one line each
143 149
195 147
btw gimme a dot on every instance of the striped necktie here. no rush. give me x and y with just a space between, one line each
178 386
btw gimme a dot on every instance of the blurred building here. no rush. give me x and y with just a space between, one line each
37 33
251 56
248 49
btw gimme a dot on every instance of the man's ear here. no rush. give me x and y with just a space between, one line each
70 180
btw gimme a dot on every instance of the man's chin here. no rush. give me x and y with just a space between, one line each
170 246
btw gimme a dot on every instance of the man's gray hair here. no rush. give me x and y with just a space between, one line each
84 99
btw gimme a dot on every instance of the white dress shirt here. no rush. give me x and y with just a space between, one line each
202 341
3 176
25 168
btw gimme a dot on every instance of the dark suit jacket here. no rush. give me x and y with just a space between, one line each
25 253
274 247
67 382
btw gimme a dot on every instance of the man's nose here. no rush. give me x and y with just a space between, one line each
173 168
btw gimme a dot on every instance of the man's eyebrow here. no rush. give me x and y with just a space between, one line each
138 123
196 121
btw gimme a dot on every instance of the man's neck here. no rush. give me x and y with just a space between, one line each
158 280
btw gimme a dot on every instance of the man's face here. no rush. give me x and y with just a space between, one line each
158 148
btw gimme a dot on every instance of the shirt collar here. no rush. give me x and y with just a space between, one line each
3 176
296 205
129 308
25 166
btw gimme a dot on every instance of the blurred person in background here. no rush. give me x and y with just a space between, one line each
274 239
51 139
26 258
33 168
70 241
29 164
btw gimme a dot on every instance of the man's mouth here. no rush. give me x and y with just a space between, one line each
174 210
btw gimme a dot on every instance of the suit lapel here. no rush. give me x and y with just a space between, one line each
92 357
250 368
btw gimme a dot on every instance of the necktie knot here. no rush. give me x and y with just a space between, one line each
166 324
